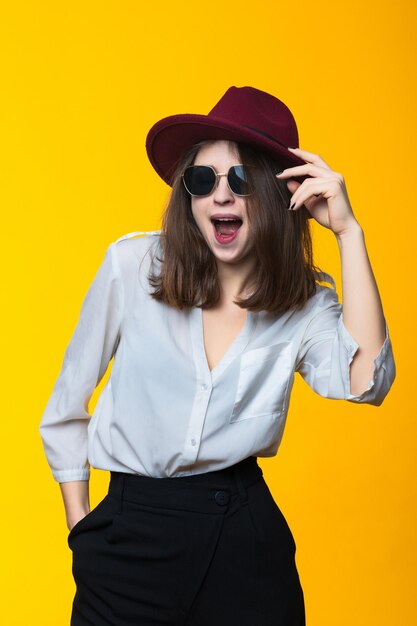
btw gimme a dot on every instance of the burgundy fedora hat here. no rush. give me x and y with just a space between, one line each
242 114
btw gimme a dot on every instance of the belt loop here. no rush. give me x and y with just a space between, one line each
240 485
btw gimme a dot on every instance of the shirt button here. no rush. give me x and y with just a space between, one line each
193 442
204 386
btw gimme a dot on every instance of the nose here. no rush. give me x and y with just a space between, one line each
222 192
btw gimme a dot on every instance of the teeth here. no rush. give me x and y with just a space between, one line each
226 219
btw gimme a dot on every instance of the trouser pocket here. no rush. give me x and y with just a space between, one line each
100 516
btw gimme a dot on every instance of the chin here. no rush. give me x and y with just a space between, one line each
230 256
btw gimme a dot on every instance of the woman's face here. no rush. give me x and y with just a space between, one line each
222 203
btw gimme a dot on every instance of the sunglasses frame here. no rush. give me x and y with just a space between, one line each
216 182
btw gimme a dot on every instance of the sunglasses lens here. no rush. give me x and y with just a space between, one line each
199 180
238 180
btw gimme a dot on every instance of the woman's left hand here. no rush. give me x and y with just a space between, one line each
324 196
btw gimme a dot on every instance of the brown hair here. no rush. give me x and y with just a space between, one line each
284 273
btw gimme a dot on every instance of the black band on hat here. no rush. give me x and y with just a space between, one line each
261 132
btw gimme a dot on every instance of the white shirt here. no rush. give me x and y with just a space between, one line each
163 412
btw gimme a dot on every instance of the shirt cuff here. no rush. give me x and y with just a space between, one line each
66 476
351 346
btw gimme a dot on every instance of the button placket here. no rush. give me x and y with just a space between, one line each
199 412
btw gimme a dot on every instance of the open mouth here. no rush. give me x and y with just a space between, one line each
226 227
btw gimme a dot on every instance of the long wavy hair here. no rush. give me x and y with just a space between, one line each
284 274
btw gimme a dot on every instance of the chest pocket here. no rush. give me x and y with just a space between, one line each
263 381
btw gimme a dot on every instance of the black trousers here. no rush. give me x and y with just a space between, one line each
211 549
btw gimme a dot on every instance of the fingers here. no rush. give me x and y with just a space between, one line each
310 157
300 170
302 195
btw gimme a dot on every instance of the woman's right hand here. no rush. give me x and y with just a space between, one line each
76 500
74 519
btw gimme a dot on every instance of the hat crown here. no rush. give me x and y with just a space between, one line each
258 111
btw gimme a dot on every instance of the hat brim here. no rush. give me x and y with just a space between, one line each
170 137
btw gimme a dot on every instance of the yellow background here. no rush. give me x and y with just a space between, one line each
82 82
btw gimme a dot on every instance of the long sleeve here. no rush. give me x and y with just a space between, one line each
327 350
64 423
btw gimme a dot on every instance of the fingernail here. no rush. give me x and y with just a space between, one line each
279 172
293 205
292 147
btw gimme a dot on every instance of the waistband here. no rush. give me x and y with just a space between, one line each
206 492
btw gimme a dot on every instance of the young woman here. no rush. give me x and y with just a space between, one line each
208 319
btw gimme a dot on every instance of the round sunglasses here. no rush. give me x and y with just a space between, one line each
201 180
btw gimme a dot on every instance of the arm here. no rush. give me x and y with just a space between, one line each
362 308
64 424
342 350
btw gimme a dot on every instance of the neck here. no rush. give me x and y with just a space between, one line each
234 279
